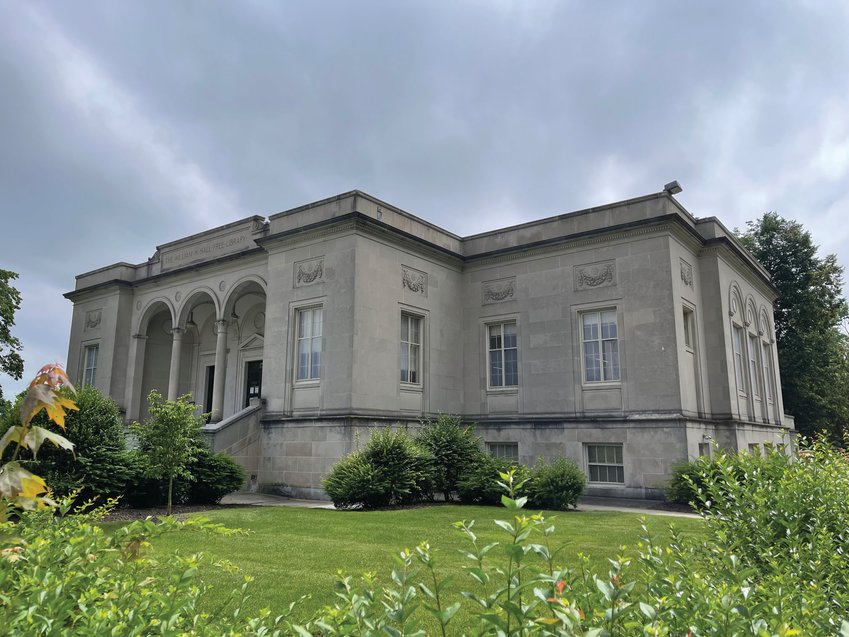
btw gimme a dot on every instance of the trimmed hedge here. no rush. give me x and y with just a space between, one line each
454 448
556 486
479 484
392 470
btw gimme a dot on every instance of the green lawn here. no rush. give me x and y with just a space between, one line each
293 551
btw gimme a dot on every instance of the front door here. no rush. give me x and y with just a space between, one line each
253 380
210 384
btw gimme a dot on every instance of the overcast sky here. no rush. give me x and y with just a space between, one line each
124 125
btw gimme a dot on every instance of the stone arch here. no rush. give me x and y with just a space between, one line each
148 311
190 303
765 325
735 300
244 283
751 316
244 312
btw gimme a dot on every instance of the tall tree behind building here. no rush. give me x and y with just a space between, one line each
812 348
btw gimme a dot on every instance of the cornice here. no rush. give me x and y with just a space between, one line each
725 249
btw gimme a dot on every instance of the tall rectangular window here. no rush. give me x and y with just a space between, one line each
411 348
604 463
90 367
737 345
754 368
600 339
503 355
766 353
689 328
310 327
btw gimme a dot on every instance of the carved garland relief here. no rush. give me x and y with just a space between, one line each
595 275
414 280
309 272
499 291
687 274
92 319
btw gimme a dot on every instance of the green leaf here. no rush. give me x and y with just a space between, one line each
37 435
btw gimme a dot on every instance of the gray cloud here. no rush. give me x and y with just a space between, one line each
125 125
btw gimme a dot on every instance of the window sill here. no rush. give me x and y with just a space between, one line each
501 391
602 384
411 387
605 484
313 382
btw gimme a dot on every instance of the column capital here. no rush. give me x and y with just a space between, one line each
221 326
177 332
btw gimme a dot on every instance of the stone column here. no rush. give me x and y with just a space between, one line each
176 354
220 371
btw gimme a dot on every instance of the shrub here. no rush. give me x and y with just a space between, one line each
392 470
454 449
354 482
214 475
97 469
556 486
65 575
479 483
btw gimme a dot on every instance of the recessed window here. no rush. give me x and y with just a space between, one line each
768 381
604 464
704 450
600 344
689 328
90 365
754 448
754 368
310 328
737 345
411 348
503 450
503 355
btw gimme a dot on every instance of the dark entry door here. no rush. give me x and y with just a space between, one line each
253 383
210 384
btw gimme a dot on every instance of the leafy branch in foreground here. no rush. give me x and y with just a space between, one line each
17 484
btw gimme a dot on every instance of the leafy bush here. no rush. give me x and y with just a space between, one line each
556 486
214 475
97 468
454 448
355 482
66 576
392 470
479 483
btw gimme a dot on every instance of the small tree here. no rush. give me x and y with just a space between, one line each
169 439
455 449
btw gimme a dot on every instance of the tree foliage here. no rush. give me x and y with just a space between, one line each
11 362
169 439
812 350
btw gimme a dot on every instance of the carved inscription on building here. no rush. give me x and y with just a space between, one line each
499 291
414 280
205 250
687 274
595 275
309 272
92 319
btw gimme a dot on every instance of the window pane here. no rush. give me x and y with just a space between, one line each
318 317
608 324
611 360
494 337
590 321
619 474
591 453
591 361
304 324
495 368
594 473
405 363
315 372
511 367
405 328
415 328
510 335
414 363
303 359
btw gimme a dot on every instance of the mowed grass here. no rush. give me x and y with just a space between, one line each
291 552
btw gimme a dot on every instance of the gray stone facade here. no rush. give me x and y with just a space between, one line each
624 337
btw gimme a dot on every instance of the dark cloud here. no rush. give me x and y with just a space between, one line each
125 125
